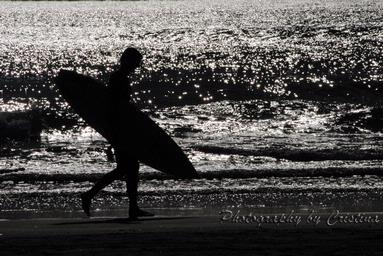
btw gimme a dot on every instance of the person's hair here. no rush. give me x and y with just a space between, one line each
131 56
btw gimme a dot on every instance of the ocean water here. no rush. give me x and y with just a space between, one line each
276 103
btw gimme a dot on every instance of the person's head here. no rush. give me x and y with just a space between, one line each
130 59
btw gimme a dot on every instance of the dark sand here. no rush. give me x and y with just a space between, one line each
197 235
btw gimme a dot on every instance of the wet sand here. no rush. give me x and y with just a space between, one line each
182 235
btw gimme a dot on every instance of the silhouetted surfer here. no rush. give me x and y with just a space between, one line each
127 165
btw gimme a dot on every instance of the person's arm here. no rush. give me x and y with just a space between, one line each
127 89
113 98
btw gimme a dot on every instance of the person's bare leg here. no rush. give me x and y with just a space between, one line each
131 189
86 197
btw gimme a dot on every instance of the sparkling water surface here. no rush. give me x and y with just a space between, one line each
278 96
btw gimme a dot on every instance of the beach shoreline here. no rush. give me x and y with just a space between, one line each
188 235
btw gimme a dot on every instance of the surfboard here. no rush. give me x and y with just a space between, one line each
146 141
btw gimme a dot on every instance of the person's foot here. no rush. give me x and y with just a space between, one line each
85 203
135 213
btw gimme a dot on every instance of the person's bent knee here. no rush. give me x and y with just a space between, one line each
128 166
